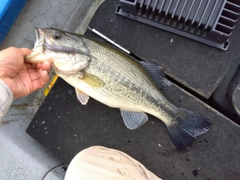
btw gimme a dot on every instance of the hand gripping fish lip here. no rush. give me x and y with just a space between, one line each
38 49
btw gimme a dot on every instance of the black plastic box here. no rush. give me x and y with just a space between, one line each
208 21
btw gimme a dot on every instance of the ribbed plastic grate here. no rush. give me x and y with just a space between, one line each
208 21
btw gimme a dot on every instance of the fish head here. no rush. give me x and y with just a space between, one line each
66 51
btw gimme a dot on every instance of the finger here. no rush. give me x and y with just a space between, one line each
40 82
34 75
41 75
31 66
44 76
24 51
46 66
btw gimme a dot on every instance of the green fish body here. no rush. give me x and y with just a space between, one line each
117 80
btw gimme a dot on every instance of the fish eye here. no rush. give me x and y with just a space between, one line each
57 35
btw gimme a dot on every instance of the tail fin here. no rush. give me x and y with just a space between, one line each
186 128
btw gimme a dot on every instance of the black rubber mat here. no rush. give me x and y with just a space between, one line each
65 127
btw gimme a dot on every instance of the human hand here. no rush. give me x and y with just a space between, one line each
22 78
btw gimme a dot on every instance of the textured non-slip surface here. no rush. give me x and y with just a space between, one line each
66 127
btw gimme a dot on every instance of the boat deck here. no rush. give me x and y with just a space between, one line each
61 127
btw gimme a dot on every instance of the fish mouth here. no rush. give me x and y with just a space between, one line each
39 37
38 51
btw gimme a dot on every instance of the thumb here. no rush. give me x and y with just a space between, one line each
24 51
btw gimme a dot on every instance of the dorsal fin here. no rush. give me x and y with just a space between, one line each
156 74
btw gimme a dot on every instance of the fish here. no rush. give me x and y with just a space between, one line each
100 71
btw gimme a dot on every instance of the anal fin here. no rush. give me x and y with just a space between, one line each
133 120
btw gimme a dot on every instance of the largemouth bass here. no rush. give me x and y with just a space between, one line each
117 80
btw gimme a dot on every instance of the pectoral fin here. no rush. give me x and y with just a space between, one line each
82 97
133 120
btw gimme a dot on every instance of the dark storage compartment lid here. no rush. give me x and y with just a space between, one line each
208 21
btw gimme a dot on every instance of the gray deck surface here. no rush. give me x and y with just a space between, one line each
21 156
64 127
